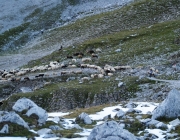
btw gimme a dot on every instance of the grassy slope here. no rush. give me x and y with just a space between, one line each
128 29
139 46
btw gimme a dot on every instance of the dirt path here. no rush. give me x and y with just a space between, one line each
174 83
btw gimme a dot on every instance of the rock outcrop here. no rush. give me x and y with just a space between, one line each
170 107
13 118
110 131
25 104
83 118
5 129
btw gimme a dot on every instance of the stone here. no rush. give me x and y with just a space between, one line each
120 84
175 122
83 118
46 133
161 125
131 105
110 131
25 104
170 107
5 129
55 127
107 117
13 118
120 113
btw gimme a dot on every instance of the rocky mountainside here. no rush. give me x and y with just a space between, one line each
129 53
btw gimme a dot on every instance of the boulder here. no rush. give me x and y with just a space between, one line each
13 118
175 122
83 118
55 128
170 107
5 129
110 131
25 104
120 113
46 133
161 125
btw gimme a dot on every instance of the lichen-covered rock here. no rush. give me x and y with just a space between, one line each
83 118
170 107
13 118
110 131
25 104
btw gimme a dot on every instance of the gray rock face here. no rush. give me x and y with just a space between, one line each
175 122
5 129
120 113
32 108
55 127
110 131
84 118
170 107
13 118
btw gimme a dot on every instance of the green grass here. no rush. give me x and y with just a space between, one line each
16 130
144 46
7 35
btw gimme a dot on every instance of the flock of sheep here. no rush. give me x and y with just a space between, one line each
14 75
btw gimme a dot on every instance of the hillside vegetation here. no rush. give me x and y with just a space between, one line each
145 33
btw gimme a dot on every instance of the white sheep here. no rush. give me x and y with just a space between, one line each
85 79
122 67
98 50
109 68
110 74
86 60
100 75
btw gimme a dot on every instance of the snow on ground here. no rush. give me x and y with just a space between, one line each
143 106
157 132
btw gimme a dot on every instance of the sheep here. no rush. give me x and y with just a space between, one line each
122 67
4 74
90 51
110 74
26 78
69 57
83 66
64 72
63 65
86 59
80 56
77 72
98 50
72 66
85 79
78 53
9 75
40 75
74 60
100 75
109 68
20 73
94 55
60 48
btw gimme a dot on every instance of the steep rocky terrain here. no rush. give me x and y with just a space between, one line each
104 58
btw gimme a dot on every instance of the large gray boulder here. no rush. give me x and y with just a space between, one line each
25 104
170 107
13 118
83 118
110 131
